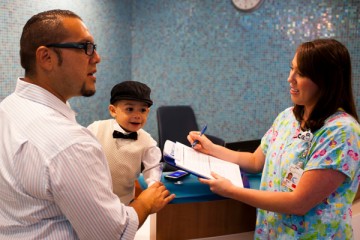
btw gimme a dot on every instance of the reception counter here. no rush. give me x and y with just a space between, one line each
196 212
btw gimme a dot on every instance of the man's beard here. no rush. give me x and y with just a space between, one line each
85 92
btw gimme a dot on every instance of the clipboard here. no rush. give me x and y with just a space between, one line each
199 164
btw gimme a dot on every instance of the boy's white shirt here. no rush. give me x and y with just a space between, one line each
150 158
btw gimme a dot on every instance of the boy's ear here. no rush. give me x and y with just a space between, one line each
112 110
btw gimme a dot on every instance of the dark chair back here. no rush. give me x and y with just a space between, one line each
174 123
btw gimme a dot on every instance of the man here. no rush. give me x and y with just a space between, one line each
54 177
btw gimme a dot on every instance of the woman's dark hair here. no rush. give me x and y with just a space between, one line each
327 63
42 29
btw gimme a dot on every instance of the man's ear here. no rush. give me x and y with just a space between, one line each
45 58
112 110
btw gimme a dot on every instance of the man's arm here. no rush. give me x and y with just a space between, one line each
81 187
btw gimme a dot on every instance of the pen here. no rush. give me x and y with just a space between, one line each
201 133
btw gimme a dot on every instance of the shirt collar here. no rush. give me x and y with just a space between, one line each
40 95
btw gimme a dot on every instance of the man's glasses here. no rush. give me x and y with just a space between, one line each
88 47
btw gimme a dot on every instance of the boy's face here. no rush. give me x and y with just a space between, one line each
131 115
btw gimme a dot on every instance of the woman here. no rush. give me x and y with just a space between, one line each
309 158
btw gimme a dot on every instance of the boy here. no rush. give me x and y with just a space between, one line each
125 143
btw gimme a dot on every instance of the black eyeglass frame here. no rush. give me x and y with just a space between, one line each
75 45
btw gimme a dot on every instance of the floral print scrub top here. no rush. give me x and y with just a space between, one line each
335 146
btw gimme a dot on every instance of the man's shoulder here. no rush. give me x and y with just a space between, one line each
73 133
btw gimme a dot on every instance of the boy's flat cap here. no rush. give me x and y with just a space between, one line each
131 90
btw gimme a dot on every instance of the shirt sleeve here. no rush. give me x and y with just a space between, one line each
336 147
81 187
151 159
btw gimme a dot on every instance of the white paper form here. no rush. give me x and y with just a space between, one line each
202 164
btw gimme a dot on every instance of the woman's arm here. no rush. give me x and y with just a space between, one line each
313 187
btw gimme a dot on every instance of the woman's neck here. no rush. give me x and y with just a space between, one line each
305 117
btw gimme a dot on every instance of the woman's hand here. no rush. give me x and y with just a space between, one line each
204 145
219 185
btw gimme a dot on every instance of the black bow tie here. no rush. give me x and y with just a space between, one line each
117 134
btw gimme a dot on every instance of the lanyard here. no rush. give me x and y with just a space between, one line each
306 136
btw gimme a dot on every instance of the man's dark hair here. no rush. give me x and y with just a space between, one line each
327 63
42 29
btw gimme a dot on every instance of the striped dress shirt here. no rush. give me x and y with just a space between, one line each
55 182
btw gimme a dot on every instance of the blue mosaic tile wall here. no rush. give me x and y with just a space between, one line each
230 66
